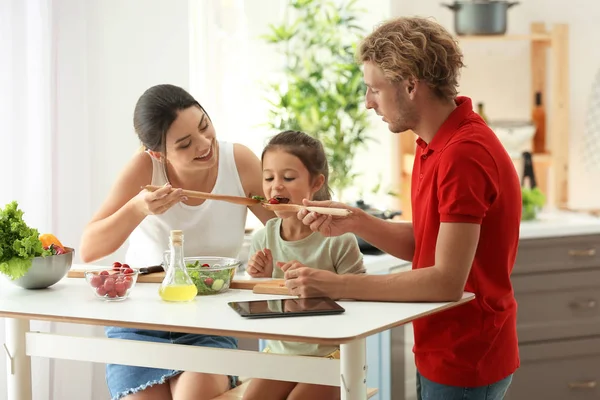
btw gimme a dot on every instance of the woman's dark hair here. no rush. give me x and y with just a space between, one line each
309 150
156 110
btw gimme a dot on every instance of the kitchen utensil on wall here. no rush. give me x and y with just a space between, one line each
591 131
528 178
480 17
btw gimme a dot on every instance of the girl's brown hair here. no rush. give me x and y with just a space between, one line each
308 150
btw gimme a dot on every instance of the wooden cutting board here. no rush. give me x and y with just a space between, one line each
266 287
155 277
276 286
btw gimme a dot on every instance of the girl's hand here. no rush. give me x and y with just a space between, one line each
260 264
159 201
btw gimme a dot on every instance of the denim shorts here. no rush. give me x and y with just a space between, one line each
123 380
428 390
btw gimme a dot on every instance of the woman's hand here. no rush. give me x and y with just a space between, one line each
260 264
329 225
159 201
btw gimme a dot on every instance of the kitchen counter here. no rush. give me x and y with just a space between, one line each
551 224
383 263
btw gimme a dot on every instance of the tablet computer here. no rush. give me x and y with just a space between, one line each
286 307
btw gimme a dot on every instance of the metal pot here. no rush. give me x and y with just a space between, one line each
480 17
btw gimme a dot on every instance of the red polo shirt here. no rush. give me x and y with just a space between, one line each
465 175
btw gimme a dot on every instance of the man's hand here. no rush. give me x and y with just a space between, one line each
329 225
303 281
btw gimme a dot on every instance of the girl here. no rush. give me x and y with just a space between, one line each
295 168
181 151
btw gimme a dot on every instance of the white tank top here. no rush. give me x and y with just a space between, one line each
214 228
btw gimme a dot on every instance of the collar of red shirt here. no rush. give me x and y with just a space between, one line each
464 106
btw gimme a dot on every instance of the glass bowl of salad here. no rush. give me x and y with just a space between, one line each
211 275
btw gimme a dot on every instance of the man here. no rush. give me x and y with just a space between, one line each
466 202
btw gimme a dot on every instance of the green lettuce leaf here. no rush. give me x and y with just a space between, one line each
19 243
15 268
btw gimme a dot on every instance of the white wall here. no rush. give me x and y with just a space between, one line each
498 74
108 53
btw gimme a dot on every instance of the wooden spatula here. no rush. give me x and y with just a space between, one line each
342 212
245 201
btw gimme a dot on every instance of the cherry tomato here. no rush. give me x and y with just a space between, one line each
128 280
101 291
96 281
120 288
109 284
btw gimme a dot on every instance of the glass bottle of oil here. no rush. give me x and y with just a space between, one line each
538 116
177 285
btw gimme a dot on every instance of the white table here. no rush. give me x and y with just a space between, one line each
71 300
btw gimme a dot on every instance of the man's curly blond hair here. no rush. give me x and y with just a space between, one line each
415 48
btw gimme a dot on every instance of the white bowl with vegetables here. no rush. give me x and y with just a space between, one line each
211 275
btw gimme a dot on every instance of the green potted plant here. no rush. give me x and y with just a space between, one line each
322 91
533 201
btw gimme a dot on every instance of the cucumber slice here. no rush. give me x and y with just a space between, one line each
217 285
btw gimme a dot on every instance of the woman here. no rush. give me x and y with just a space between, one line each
181 152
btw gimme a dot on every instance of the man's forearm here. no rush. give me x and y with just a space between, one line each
424 284
395 238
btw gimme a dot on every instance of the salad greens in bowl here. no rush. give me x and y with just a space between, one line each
211 275
28 259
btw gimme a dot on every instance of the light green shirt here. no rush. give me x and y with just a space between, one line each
339 254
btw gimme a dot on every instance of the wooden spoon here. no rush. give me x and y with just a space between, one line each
342 212
245 201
